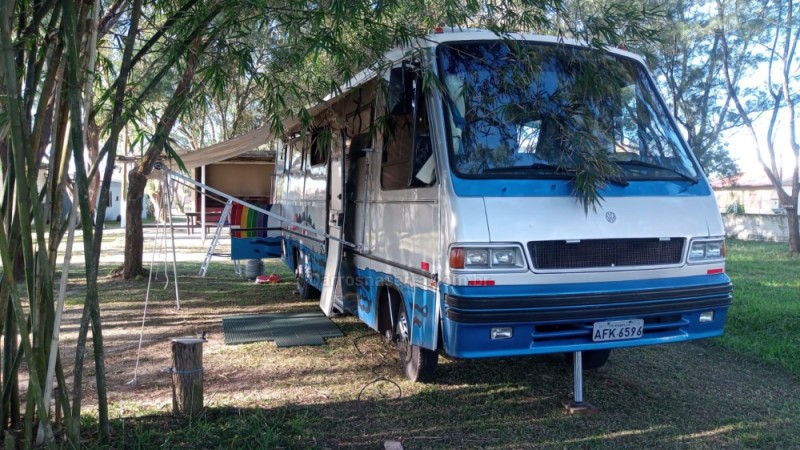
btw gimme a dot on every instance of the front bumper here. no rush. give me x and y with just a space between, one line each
559 318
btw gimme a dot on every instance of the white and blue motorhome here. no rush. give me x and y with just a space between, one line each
449 214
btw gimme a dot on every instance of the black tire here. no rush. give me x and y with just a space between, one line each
419 364
591 359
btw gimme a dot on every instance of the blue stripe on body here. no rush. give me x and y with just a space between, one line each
472 340
420 305
482 187
583 288
317 261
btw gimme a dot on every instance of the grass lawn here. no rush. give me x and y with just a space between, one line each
764 320
739 391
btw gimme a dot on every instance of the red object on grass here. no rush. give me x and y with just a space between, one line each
268 279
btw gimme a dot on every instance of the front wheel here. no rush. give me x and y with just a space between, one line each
419 363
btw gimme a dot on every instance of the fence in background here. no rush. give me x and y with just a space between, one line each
756 227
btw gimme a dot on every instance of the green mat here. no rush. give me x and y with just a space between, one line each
286 329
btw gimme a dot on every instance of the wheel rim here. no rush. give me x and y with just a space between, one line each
403 341
299 277
298 274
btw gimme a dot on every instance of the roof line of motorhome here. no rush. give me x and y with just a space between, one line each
256 208
450 34
252 139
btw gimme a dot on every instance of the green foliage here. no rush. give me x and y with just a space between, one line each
684 52
324 46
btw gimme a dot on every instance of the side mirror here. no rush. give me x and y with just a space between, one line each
401 90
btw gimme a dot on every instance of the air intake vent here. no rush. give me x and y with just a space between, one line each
551 255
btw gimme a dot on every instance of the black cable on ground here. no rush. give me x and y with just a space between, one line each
378 377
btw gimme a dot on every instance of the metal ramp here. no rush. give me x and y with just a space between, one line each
286 329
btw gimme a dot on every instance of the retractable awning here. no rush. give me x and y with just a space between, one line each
260 136
227 149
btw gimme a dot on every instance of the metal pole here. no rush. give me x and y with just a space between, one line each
578 405
202 186
168 188
578 376
277 217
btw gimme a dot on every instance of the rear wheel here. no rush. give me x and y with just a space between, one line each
419 363
304 289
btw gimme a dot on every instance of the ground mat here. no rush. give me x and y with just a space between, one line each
286 329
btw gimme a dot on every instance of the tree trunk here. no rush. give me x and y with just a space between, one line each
93 147
789 203
794 231
134 237
187 376
137 178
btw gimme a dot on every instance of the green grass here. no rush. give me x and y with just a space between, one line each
229 428
738 391
764 320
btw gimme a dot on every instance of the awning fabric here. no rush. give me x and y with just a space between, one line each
227 149
260 136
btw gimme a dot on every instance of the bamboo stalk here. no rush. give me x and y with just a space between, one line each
62 293
19 141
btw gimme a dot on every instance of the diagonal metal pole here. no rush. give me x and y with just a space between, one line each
277 217
168 188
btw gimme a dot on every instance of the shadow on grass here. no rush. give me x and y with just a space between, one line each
515 412
692 395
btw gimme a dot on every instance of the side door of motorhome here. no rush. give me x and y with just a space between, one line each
331 285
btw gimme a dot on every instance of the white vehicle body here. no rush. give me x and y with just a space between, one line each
546 273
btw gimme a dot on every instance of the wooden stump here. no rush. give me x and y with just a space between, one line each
187 376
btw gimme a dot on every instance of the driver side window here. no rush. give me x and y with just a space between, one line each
407 160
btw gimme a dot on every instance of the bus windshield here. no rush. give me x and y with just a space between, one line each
524 110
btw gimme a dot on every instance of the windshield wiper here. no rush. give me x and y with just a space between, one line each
637 163
544 167
619 180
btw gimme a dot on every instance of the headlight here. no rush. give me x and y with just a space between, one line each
504 257
476 258
701 251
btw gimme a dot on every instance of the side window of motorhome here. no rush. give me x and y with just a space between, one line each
408 160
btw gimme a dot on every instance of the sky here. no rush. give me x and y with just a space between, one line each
742 148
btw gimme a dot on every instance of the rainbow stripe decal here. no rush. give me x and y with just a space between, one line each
243 217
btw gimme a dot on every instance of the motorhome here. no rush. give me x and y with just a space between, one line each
437 198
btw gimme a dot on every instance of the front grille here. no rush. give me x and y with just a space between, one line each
605 253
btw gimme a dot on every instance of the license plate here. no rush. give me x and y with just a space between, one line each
617 329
